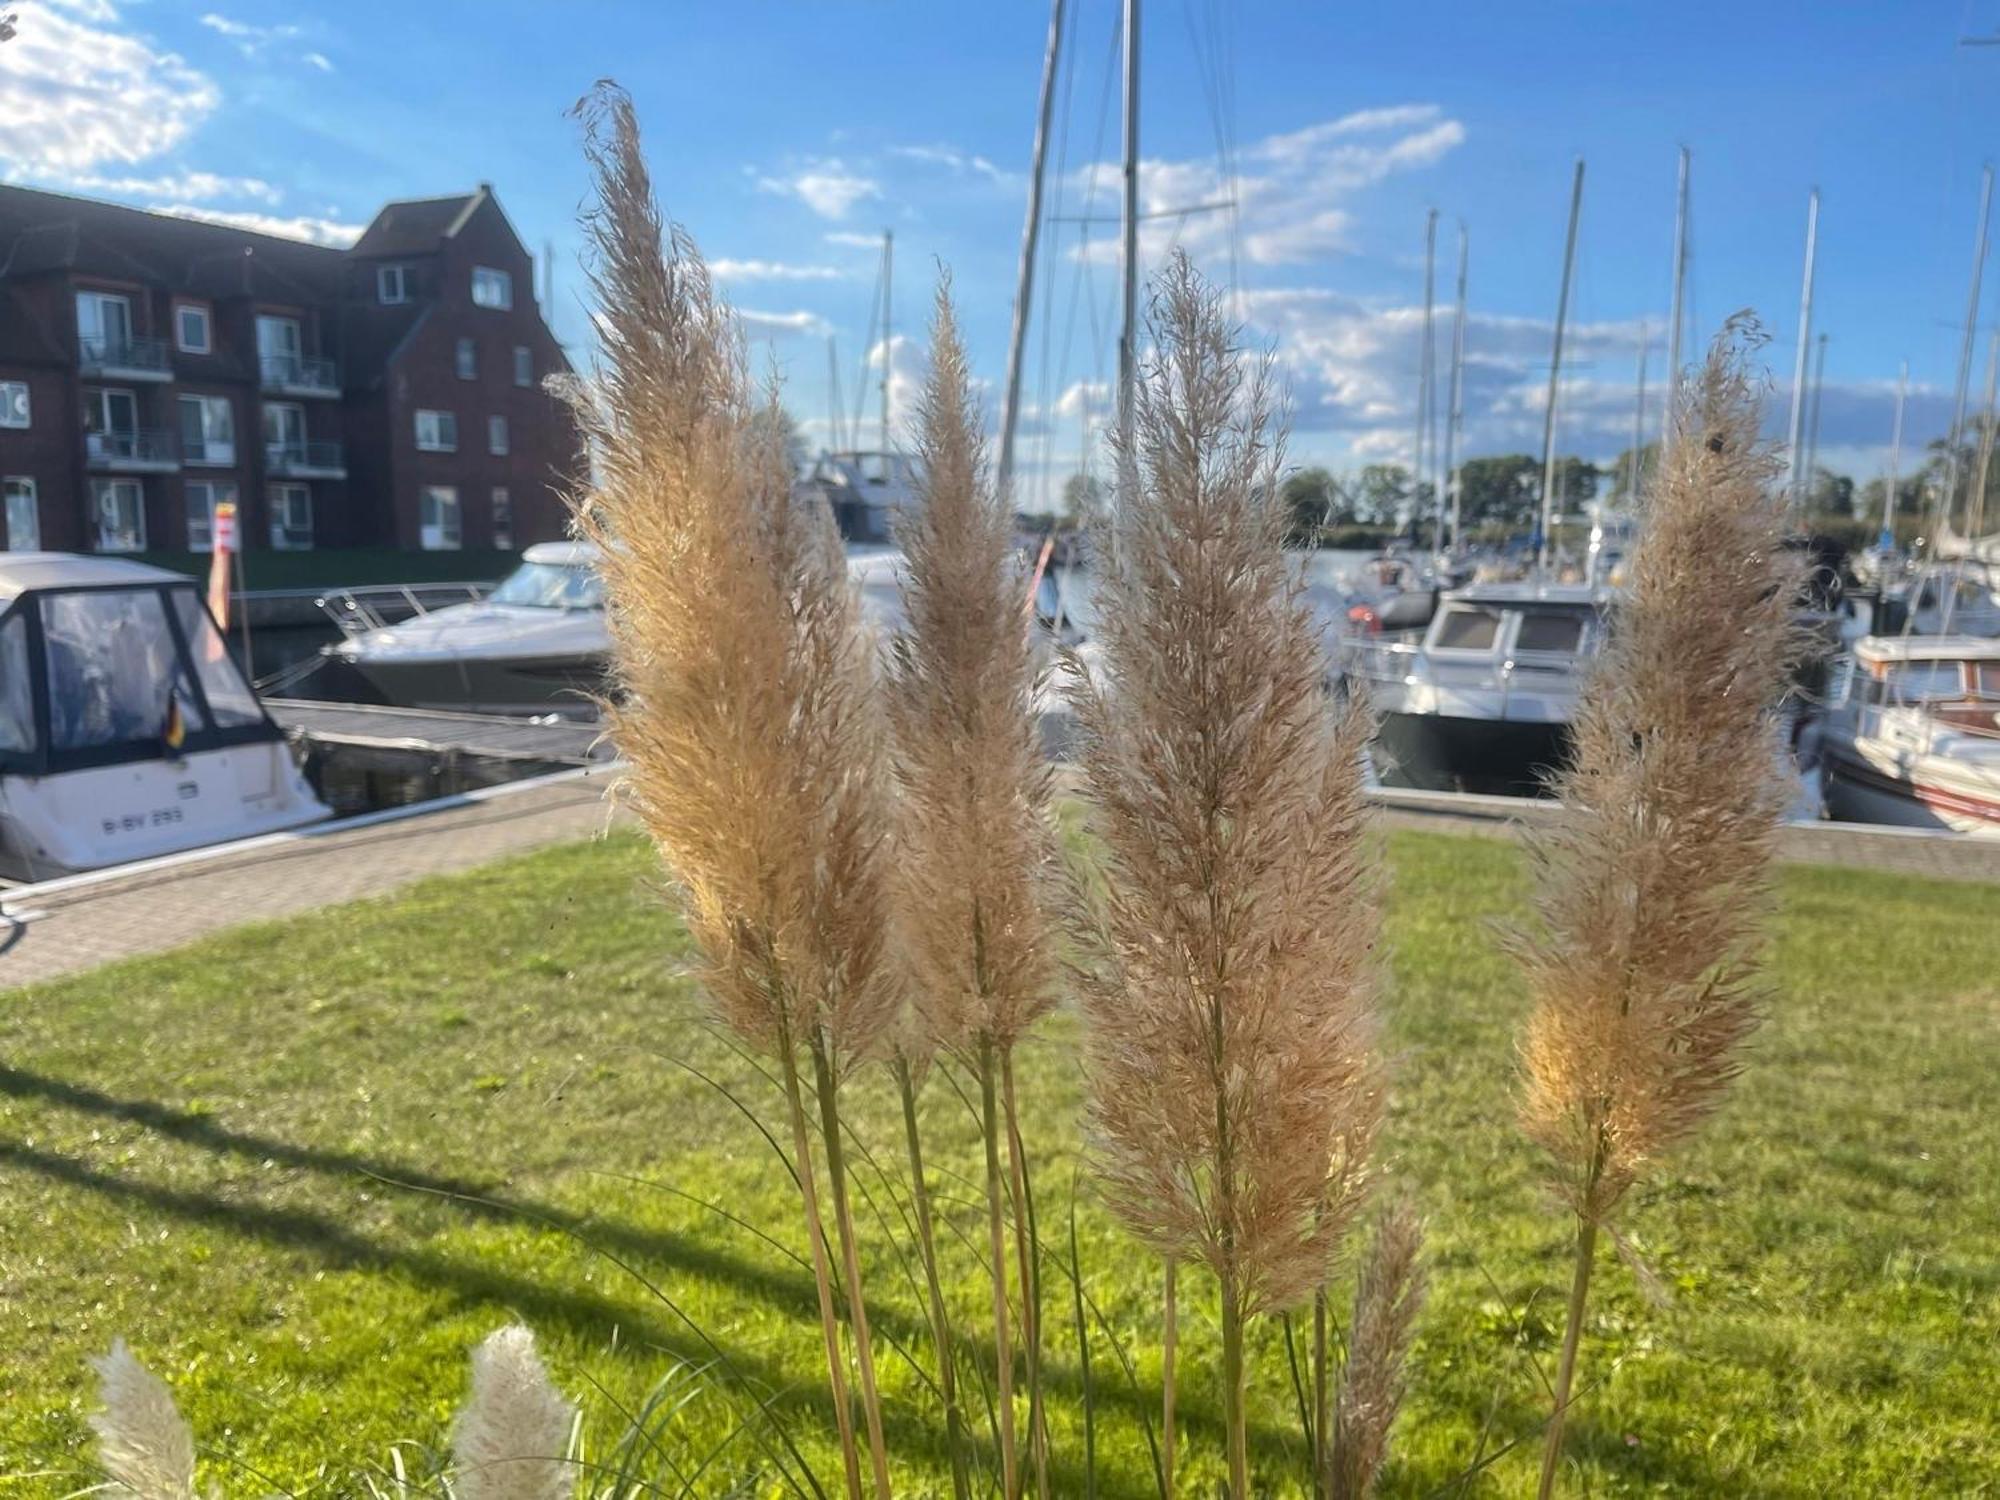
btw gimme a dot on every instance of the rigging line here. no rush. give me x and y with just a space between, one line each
861 376
1208 66
1066 88
1082 282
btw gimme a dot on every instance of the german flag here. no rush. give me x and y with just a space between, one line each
176 731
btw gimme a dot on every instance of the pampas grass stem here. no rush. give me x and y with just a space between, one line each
1027 1254
996 1248
828 1088
920 1195
1170 1343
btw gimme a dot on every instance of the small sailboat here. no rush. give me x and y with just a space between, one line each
126 731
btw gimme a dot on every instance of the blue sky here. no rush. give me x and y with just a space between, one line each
788 135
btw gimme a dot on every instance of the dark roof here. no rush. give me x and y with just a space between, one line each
53 231
416 225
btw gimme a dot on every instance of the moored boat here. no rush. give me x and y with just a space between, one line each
126 731
1912 736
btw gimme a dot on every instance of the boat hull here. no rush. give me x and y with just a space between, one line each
1447 753
71 821
1904 792
566 685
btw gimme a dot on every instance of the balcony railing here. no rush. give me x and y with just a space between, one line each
140 449
299 375
324 458
217 453
133 358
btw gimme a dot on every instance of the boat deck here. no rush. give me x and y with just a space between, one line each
547 738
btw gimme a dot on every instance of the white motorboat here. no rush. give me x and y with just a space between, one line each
126 731
537 644
1912 736
1483 702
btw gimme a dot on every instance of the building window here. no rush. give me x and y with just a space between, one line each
496 436
291 518
284 432
503 520
111 425
13 403
202 499
468 359
24 518
392 285
103 325
208 431
437 431
191 327
438 519
491 288
524 365
120 506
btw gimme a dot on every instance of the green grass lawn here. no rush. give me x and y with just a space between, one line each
224 1155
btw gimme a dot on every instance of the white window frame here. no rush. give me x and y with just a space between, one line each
200 310
208 458
296 340
399 276
524 366
273 436
503 518
488 279
201 523
284 528
446 533
465 359
14 394
497 437
101 299
20 487
99 489
443 431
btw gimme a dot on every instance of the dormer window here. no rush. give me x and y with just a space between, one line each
491 288
392 285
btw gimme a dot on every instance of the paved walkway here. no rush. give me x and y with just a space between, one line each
79 924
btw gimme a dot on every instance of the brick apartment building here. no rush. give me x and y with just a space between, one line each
387 395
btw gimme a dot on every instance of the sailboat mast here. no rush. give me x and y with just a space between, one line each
1812 422
1024 286
1455 412
1128 338
1555 376
1632 464
1948 502
1677 313
1794 471
834 437
1426 362
1888 537
1975 504
888 346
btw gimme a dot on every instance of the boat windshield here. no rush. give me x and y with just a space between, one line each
1558 633
550 586
17 704
1466 629
115 673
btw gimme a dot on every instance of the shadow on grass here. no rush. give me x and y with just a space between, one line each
588 1316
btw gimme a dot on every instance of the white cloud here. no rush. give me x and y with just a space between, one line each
952 159
75 96
299 227
852 239
825 186
179 185
776 325
253 40
726 269
1287 189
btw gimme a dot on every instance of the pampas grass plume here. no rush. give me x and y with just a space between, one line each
143 1442
1387 1302
512 1438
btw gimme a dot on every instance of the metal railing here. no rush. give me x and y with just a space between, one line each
298 372
373 606
220 453
141 446
317 456
127 353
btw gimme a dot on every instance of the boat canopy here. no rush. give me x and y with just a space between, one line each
1899 648
104 661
